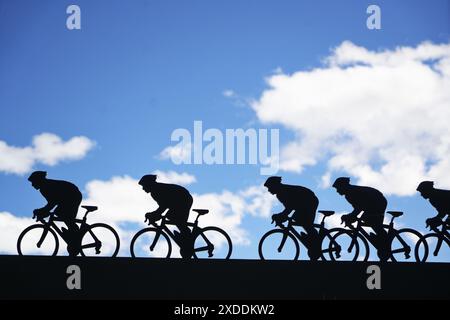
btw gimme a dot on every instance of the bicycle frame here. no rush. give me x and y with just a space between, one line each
290 229
51 224
391 233
162 227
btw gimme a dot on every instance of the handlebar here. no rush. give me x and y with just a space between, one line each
42 220
277 224
153 223
434 227
280 224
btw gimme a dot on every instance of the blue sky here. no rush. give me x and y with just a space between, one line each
138 70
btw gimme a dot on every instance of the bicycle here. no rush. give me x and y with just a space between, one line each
434 240
42 238
283 241
401 241
156 241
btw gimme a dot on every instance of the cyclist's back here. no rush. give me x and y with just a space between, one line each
440 199
298 198
171 196
60 192
366 199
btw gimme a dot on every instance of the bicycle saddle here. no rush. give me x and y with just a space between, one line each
326 213
395 214
89 208
201 211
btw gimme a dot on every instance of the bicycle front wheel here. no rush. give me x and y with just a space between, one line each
433 248
212 242
100 240
278 244
38 240
151 243
403 245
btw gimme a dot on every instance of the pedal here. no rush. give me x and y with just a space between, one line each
408 253
210 253
338 252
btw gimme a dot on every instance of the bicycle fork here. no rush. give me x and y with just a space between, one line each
438 246
440 239
43 236
283 241
155 240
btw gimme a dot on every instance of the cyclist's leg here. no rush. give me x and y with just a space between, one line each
179 218
68 213
375 221
306 220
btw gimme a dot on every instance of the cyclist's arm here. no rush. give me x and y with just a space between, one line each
159 211
355 213
441 214
285 212
48 207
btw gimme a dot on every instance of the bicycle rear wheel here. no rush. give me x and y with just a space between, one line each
327 245
38 239
348 246
151 243
278 244
212 242
403 245
100 240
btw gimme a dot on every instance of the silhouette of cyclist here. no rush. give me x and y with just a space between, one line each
64 198
439 199
177 201
303 203
372 204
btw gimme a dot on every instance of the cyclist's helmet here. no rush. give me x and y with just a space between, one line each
147 179
340 182
271 181
37 176
425 185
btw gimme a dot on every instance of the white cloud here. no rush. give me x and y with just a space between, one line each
278 70
180 153
122 203
381 117
46 148
228 93
120 200
10 228
237 99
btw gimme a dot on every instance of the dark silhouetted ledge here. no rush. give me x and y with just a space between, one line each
126 278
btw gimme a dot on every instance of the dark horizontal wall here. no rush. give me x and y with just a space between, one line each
126 278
